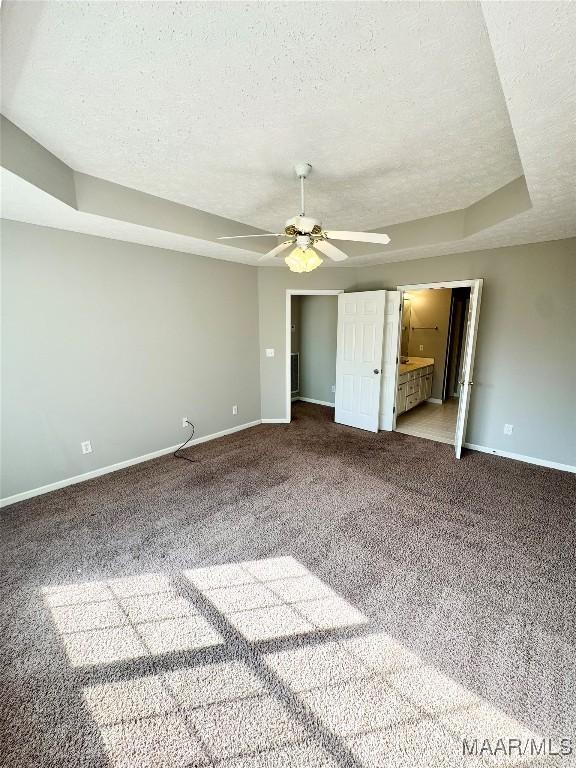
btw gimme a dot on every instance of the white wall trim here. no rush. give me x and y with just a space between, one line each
275 421
8 500
119 465
289 293
307 292
445 284
521 457
435 400
316 402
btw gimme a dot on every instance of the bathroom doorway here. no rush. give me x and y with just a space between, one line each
437 343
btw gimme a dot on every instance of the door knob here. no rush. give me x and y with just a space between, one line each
376 370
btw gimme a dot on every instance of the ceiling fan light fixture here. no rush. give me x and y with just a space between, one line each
294 262
312 260
302 260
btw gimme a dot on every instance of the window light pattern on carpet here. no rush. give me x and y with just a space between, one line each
259 664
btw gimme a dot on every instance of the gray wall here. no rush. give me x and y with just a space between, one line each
525 359
427 310
114 342
318 331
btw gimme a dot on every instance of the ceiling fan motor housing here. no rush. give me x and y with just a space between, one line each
303 225
303 241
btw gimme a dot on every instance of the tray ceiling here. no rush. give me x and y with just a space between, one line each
407 111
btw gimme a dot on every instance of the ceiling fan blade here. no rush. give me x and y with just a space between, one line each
275 251
329 250
358 237
238 237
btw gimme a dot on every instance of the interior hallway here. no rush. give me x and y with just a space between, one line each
433 421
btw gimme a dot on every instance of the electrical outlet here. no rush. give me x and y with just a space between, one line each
421 347
234 410
333 387
86 446
269 353
185 422
508 429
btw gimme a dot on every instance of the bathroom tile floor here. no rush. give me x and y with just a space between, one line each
432 421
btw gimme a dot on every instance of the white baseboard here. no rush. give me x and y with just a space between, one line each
275 421
315 402
120 465
521 457
434 400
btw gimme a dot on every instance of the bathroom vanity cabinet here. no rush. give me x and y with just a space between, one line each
414 382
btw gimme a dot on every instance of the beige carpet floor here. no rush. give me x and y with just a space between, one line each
305 595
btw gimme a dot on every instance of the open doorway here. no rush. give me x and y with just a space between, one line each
313 349
432 342
311 334
436 351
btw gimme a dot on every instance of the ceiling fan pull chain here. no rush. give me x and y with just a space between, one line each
302 207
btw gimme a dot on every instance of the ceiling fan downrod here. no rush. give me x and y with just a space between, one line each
302 171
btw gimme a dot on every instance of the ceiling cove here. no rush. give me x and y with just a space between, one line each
453 134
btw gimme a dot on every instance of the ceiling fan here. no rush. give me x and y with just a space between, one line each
309 237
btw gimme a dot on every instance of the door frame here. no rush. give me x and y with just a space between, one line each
289 293
422 287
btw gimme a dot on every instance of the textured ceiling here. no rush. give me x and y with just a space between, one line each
406 110
211 104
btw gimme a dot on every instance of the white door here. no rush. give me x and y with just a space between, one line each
390 352
466 380
359 358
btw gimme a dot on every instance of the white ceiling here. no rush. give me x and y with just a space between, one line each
406 110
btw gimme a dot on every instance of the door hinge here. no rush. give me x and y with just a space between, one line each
394 409
396 359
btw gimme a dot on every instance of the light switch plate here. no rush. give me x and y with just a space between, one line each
269 353
508 429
